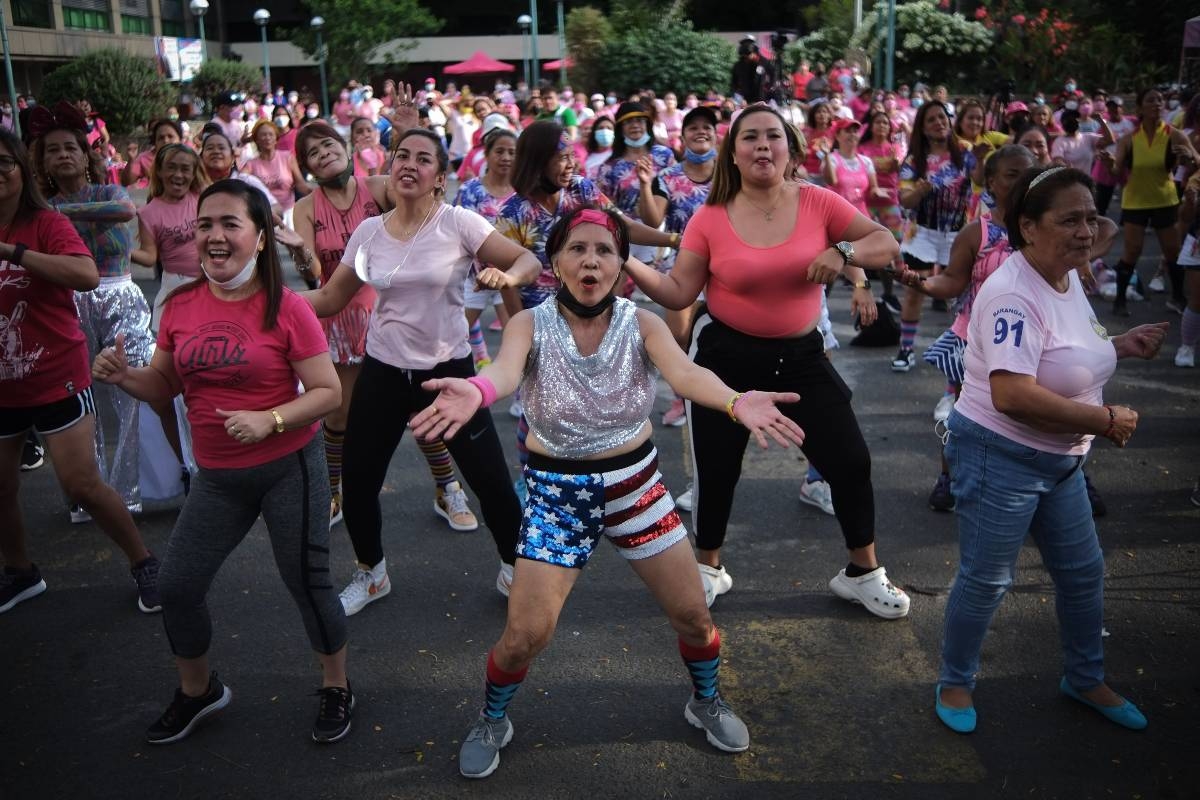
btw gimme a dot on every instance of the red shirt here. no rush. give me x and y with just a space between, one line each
226 360
43 353
765 291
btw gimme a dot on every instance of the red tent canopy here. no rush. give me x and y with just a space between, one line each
558 64
478 64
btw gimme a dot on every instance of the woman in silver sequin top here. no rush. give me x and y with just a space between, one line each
585 365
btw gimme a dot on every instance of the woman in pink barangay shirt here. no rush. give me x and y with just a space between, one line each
276 168
1032 404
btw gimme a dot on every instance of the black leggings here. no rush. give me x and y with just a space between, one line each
832 441
384 399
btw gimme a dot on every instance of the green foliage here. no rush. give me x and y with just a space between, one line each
127 91
360 36
931 44
668 56
818 47
588 30
218 75
628 16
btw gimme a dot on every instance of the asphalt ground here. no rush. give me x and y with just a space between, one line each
838 702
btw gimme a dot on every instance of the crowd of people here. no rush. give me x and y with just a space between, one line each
410 214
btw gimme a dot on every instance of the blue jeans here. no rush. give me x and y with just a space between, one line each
1003 490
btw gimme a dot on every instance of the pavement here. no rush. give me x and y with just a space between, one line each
838 702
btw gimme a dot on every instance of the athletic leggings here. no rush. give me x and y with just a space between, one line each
292 494
833 442
384 399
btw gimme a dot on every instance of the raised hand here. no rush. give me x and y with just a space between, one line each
759 413
111 365
492 278
456 403
645 170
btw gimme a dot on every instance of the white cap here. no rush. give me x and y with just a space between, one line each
495 120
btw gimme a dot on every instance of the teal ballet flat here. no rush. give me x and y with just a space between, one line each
959 720
1126 715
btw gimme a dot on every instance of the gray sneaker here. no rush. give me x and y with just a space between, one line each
722 727
480 752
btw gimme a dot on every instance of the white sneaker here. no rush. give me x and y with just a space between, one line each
941 412
367 586
1185 356
816 493
515 409
716 582
1157 285
873 591
684 501
451 505
79 515
504 579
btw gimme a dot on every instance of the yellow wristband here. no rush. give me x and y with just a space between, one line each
731 403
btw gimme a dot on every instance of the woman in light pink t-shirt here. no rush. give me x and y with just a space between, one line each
276 168
1032 402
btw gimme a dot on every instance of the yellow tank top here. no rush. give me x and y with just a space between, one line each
1149 184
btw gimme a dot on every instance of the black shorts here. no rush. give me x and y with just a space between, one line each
50 418
1156 218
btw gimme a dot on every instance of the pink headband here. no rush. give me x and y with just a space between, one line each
596 217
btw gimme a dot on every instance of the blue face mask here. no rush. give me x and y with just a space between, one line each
605 137
641 141
1070 87
917 102
699 158
610 100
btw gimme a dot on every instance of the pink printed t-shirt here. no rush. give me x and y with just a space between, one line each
1020 324
765 291
419 321
173 226
227 361
43 352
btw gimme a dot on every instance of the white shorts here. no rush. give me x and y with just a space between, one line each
170 282
930 246
479 300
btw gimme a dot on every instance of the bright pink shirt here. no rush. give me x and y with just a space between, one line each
227 361
276 175
43 353
887 176
1020 324
853 178
173 226
765 291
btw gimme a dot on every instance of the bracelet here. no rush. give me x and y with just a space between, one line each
485 387
1112 421
732 402
675 240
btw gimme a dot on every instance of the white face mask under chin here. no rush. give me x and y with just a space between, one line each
242 278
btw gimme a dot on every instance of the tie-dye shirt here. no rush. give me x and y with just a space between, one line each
106 219
618 179
945 208
683 196
528 224
474 195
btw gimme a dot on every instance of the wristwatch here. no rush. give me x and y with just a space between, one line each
847 251
863 284
278 420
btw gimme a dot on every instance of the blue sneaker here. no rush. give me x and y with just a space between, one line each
959 720
1126 715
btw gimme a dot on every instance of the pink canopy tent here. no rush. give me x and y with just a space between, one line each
480 63
557 63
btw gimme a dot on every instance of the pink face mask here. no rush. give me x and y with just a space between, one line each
1085 110
890 105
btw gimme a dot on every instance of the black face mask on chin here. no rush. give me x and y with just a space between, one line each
568 301
340 180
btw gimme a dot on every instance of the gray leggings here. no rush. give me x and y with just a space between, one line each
292 493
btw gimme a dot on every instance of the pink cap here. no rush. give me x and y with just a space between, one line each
1015 106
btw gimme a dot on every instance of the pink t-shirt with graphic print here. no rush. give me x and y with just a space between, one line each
226 360
1020 324
173 226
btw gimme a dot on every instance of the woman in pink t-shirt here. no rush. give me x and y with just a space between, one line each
1032 403
137 165
237 343
276 168
761 249
369 155
849 174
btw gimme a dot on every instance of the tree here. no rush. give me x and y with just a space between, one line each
931 44
668 56
360 34
126 90
588 30
218 75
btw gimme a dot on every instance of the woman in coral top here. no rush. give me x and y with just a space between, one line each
276 168
762 249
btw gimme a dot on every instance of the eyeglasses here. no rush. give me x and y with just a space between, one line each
7 164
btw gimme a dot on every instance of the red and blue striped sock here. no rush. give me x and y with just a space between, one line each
500 687
704 665
908 333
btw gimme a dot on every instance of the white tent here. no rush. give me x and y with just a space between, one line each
1189 57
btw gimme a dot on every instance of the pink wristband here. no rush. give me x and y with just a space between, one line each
485 387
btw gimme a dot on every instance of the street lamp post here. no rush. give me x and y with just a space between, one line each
8 73
261 18
199 9
562 47
534 67
316 23
524 21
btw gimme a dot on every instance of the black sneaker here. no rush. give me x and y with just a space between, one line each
17 586
185 713
1099 509
892 302
333 717
940 498
939 304
32 456
145 575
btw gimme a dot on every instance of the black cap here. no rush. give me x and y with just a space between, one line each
227 98
707 113
630 109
